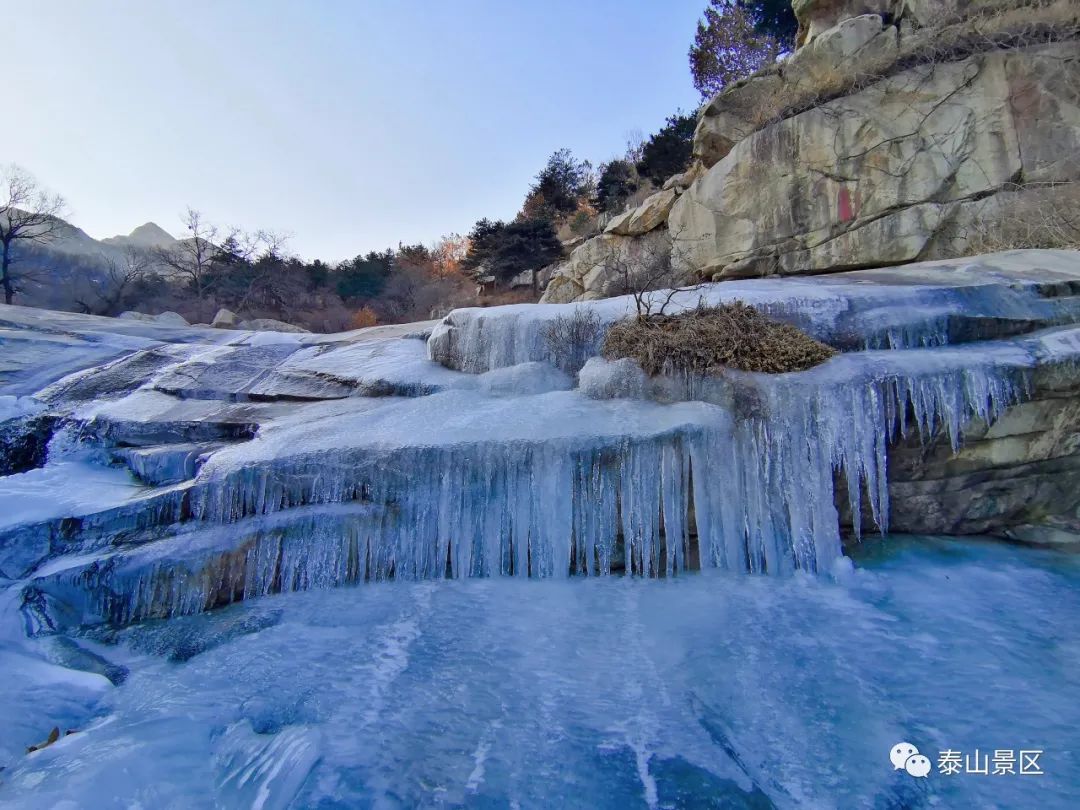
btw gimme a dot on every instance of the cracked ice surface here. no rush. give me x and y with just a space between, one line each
747 692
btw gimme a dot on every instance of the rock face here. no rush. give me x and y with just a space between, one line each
885 175
651 214
1018 476
899 131
817 16
602 266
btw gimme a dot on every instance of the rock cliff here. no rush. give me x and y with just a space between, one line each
897 132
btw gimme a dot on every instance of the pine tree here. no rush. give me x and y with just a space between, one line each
736 38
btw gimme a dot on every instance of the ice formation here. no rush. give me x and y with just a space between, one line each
736 691
933 304
203 471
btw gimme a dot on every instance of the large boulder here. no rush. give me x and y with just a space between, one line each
817 16
607 265
163 318
732 116
877 177
225 319
651 214
841 49
269 325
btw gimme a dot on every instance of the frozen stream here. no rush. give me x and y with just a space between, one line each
706 690
255 570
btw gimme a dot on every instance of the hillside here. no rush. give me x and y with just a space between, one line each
924 131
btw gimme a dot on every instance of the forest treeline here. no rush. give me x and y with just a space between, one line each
253 273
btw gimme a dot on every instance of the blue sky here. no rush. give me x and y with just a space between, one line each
349 125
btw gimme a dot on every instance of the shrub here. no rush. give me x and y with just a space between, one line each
708 339
583 220
572 339
1027 217
364 318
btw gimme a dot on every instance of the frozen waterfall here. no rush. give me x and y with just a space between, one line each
544 485
323 462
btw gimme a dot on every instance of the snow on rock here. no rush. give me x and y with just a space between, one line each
164 318
525 379
12 407
274 338
929 304
66 488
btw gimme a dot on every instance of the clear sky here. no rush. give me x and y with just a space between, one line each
350 125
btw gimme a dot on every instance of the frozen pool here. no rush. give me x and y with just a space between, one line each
706 690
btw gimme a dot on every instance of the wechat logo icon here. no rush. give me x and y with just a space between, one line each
906 757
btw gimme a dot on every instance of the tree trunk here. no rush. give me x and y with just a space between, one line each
5 274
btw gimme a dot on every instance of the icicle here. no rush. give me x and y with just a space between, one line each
757 490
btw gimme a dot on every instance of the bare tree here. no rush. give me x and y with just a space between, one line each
263 273
105 294
572 339
28 214
191 259
652 273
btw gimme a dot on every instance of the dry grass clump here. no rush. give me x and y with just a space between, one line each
1024 217
708 339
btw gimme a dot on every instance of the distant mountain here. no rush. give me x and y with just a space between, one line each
53 271
148 235
69 239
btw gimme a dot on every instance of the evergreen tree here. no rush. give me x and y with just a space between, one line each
668 151
559 187
618 180
504 250
736 38
365 276
774 18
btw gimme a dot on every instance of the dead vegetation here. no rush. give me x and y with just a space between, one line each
571 339
1026 217
708 339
